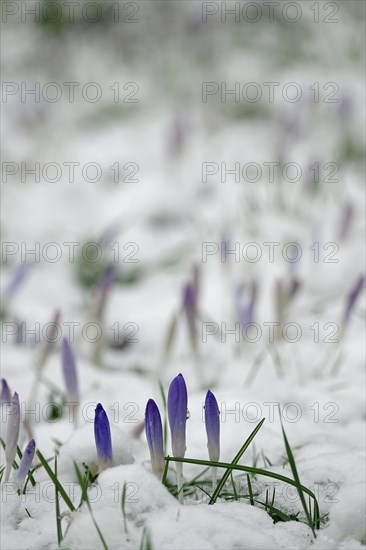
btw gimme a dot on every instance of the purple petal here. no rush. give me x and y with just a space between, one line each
108 277
17 278
352 298
25 462
212 420
177 413
154 436
5 396
69 371
12 432
103 440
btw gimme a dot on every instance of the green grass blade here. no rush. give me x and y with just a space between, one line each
96 525
165 423
235 460
58 515
165 473
250 490
240 468
123 506
292 463
61 490
275 511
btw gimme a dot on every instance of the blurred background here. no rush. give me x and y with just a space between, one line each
119 123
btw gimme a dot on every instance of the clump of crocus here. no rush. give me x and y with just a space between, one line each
154 436
212 421
69 371
177 414
103 440
12 434
351 299
25 463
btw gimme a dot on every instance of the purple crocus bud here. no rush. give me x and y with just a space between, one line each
103 287
108 277
108 236
352 298
17 278
196 276
345 222
69 371
245 311
25 463
177 413
103 440
212 420
225 247
5 396
154 436
190 309
12 434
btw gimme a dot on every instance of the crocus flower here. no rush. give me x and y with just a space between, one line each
352 298
69 371
51 339
345 223
103 440
5 396
103 288
12 434
17 278
245 311
177 413
25 463
212 421
154 436
190 309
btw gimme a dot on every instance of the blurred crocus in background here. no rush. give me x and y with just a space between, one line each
104 285
346 218
51 339
25 463
212 422
177 414
351 298
154 436
103 440
12 434
16 280
245 308
190 310
285 293
190 305
69 371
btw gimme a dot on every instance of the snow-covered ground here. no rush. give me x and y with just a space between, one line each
162 205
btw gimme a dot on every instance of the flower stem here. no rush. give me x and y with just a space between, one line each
179 467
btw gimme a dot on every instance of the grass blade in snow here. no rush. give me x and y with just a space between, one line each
235 460
60 489
300 491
